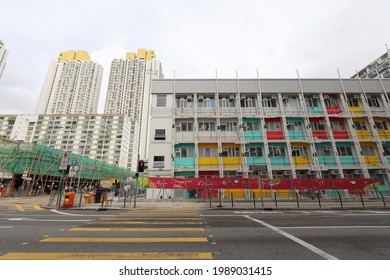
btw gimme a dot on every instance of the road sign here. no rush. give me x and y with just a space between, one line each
73 171
64 162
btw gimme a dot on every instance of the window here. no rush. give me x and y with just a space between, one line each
352 102
276 151
161 100
248 102
324 151
386 150
158 162
255 151
182 127
269 103
315 126
299 151
227 102
228 126
311 102
206 102
207 152
251 126
184 152
183 103
344 151
206 126
368 151
381 125
273 126
373 101
331 102
294 126
159 134
337 126
231 152
360 125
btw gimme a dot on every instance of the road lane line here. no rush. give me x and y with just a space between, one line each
5 227
20 208
149 218
295 239
139 229
146 223
126 240
334 227
110 256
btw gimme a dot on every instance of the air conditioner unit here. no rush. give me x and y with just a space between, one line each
243 97
358 172
189 98
274 97
356 96
264 173
200 98
328 148
231 97
284 96
290 124
334 172
321 122
316 96
326 96
287 173
295 148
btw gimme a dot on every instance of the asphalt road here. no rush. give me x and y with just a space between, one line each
189 233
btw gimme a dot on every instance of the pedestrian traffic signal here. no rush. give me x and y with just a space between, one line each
141 166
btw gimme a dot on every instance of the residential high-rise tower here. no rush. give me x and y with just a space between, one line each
3 57
129 93
72 85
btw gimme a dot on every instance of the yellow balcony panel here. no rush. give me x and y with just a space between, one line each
301 161
363 134
208 162
372 160
384 134
356 110
231 161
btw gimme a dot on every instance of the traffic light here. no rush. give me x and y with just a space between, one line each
141 166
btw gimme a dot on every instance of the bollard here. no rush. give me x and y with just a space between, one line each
297 196
383 199
254 199
341 201
319 200
276 201
209 197
361 198
231 196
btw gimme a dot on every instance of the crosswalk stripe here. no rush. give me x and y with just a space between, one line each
149 218
110 256
125 240
20 208
139 229
146 223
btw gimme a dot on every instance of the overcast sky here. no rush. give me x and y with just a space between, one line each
192 38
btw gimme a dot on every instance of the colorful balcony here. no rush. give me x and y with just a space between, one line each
231 155
277 153
208 155
274 129
354 104
361 128
313 104
346 154
382 127
370 154
252 129
339 128
300 154
295 127
325 154
332 104
318 128
254 154
184 156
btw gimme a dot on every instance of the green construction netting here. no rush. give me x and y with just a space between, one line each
42 160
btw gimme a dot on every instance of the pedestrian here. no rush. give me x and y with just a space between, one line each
1 188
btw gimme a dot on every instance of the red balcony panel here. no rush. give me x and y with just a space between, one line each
320 134
340 134
275 135
333 110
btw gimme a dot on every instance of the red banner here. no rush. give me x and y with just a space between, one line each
352 185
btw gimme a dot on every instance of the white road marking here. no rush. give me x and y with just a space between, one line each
79 215
295 239
334 227
5 227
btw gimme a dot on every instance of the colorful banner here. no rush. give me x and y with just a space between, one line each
352 185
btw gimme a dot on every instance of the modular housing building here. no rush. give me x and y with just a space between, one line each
270 128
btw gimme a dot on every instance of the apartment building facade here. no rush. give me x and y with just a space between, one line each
3 57
72 85
128 91
102 137
271 128
379 68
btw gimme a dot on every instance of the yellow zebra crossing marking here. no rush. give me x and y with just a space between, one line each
126 240
138 229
